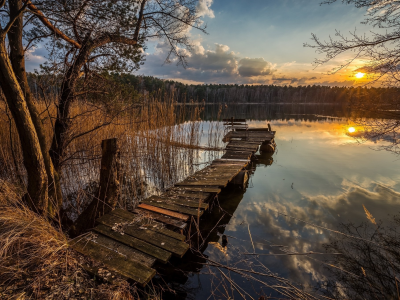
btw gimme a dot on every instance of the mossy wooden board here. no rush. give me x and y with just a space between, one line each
160 254
162 218
174 207
148 223
113 260
164 242
123 249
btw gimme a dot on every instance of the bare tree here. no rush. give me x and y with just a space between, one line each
381 51
380 48
92 36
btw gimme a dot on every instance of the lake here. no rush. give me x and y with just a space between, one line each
319 176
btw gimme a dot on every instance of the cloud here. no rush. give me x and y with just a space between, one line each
220 60
204 9
35 57
249 67
218 64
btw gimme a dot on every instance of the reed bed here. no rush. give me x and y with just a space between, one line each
159 145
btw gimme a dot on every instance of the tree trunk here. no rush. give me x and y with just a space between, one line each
17 57
37 187
63 123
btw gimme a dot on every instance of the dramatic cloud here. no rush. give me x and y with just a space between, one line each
220 60
204 8
216 65
249 67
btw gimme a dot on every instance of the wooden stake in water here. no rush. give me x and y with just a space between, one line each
251 239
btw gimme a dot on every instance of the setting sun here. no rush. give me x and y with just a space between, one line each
360 75
351 129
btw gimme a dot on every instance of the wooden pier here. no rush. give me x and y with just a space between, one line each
130 243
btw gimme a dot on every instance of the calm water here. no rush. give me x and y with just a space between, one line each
319 174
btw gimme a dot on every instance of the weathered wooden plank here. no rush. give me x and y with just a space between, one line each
238 164
162 218
160 254
173 207
184 201
241 146
207 189
236 156
239 161
148 223
106 274
129 252
241 149
220 184
113 260
162 241
234 142
164 212
193 195
246 154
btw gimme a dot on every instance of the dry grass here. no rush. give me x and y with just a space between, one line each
35 261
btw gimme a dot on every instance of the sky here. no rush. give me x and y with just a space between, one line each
256 42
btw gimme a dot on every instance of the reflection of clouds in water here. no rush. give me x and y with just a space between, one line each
270 228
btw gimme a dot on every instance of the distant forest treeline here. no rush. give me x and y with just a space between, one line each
235 93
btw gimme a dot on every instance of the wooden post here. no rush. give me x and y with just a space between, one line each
108 189
267 147
269 127
109 172
241 179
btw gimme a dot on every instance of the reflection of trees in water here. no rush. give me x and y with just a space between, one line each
369 267
286 111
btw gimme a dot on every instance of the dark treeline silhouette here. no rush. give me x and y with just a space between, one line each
234 93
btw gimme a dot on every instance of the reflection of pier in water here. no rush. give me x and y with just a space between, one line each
212 227
135 244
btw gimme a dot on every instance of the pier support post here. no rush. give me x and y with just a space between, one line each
108 193
241 179
268 147
109 173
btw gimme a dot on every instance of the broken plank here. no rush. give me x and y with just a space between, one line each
148 223
174 207
164 212
160 254
115 261
162 241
